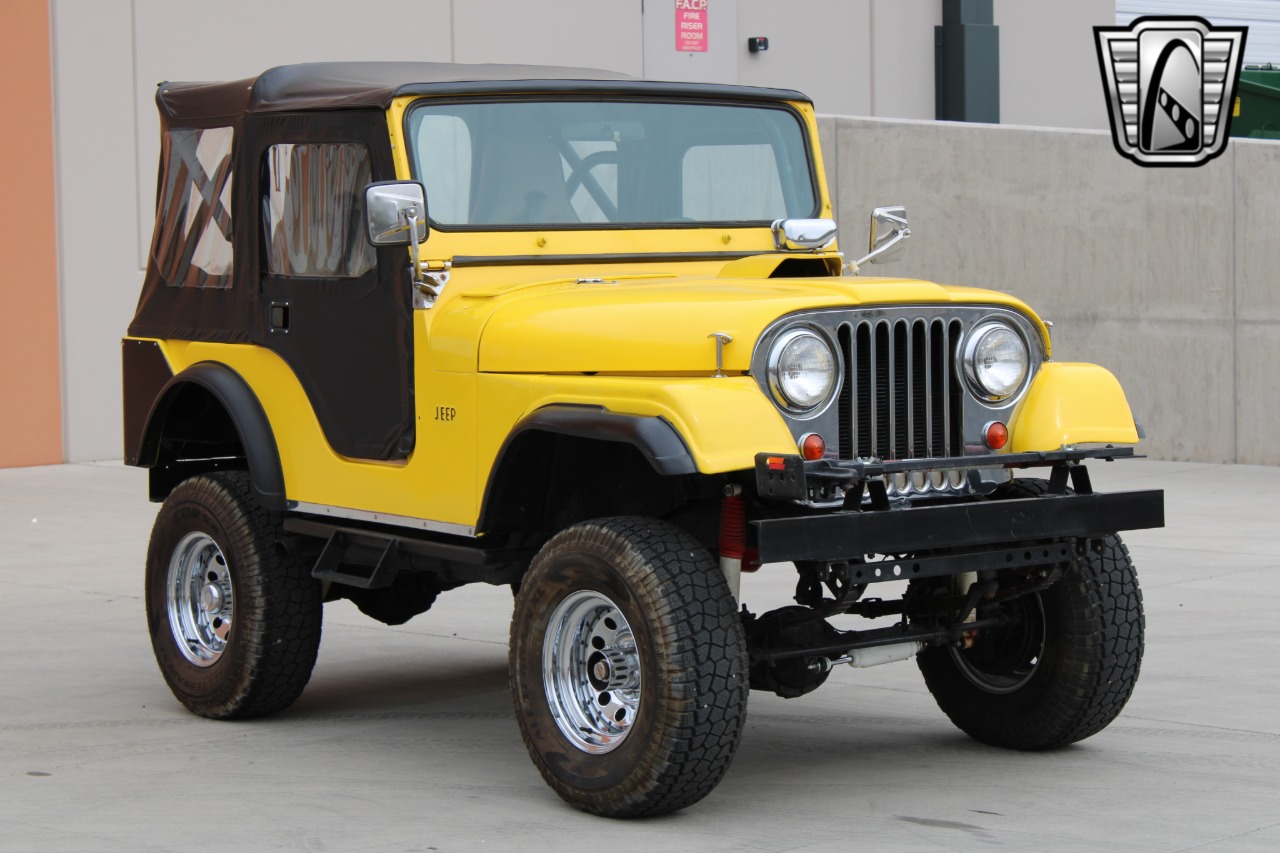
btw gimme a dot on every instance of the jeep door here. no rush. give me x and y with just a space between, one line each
336 309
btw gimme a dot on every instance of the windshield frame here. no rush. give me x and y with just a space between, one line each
805 140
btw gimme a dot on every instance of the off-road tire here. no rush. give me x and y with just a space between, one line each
1092 652
274 634
689 649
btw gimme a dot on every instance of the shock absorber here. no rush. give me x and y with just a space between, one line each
735 556
733 536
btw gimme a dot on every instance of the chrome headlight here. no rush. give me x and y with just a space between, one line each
995 360
802 369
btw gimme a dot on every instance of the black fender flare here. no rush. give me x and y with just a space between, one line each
655 437
247 415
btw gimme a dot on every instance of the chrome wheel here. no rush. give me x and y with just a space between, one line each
591 672
628 667
234 619
200 597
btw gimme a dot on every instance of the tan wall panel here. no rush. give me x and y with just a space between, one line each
30 378
902 58
717 64
1049 73
824 51
600 34
97 202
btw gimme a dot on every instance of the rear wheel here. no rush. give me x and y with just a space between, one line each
628 667
234 621
1064 664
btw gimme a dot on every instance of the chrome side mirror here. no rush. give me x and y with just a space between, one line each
888 231
803 235
396 215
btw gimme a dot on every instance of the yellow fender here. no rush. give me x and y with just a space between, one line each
1072 404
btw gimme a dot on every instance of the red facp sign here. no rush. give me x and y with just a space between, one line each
691 26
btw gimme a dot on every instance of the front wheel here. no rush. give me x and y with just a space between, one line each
628 667
1059 670
1064 664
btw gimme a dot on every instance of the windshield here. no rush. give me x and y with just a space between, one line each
593 164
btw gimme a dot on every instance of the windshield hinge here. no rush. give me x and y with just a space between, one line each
436 272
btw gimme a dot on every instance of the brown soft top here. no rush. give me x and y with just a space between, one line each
338 85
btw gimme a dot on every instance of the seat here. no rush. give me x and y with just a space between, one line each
521 181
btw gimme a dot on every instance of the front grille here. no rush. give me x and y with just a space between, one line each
900 398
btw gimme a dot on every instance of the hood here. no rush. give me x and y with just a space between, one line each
664 326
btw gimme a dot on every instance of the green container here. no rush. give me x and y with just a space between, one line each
1257 106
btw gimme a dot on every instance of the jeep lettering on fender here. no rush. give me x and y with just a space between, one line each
409 326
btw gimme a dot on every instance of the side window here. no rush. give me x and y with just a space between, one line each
192 242
714 186
313 210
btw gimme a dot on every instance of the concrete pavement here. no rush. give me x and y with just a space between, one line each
405 739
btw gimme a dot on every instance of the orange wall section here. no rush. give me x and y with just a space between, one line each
30 374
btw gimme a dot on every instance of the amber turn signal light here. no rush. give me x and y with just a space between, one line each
812 446
996 434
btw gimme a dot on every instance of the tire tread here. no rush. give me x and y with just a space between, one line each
705 666
1103 637
278 604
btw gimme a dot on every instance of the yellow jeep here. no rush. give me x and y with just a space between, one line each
408 326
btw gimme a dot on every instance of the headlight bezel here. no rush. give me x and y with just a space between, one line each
773 363
969 349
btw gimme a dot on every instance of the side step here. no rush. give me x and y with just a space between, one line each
335 564
370 558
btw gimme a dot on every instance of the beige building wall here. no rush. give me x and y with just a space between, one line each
1049 73
662 61
830 63
96 153
875 57
859 57
901 45
853 57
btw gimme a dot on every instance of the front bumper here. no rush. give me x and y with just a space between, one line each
944 538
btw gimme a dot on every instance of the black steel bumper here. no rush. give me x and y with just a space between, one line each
972 525
846 535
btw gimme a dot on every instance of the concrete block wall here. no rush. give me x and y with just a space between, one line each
1257 300
1165 276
